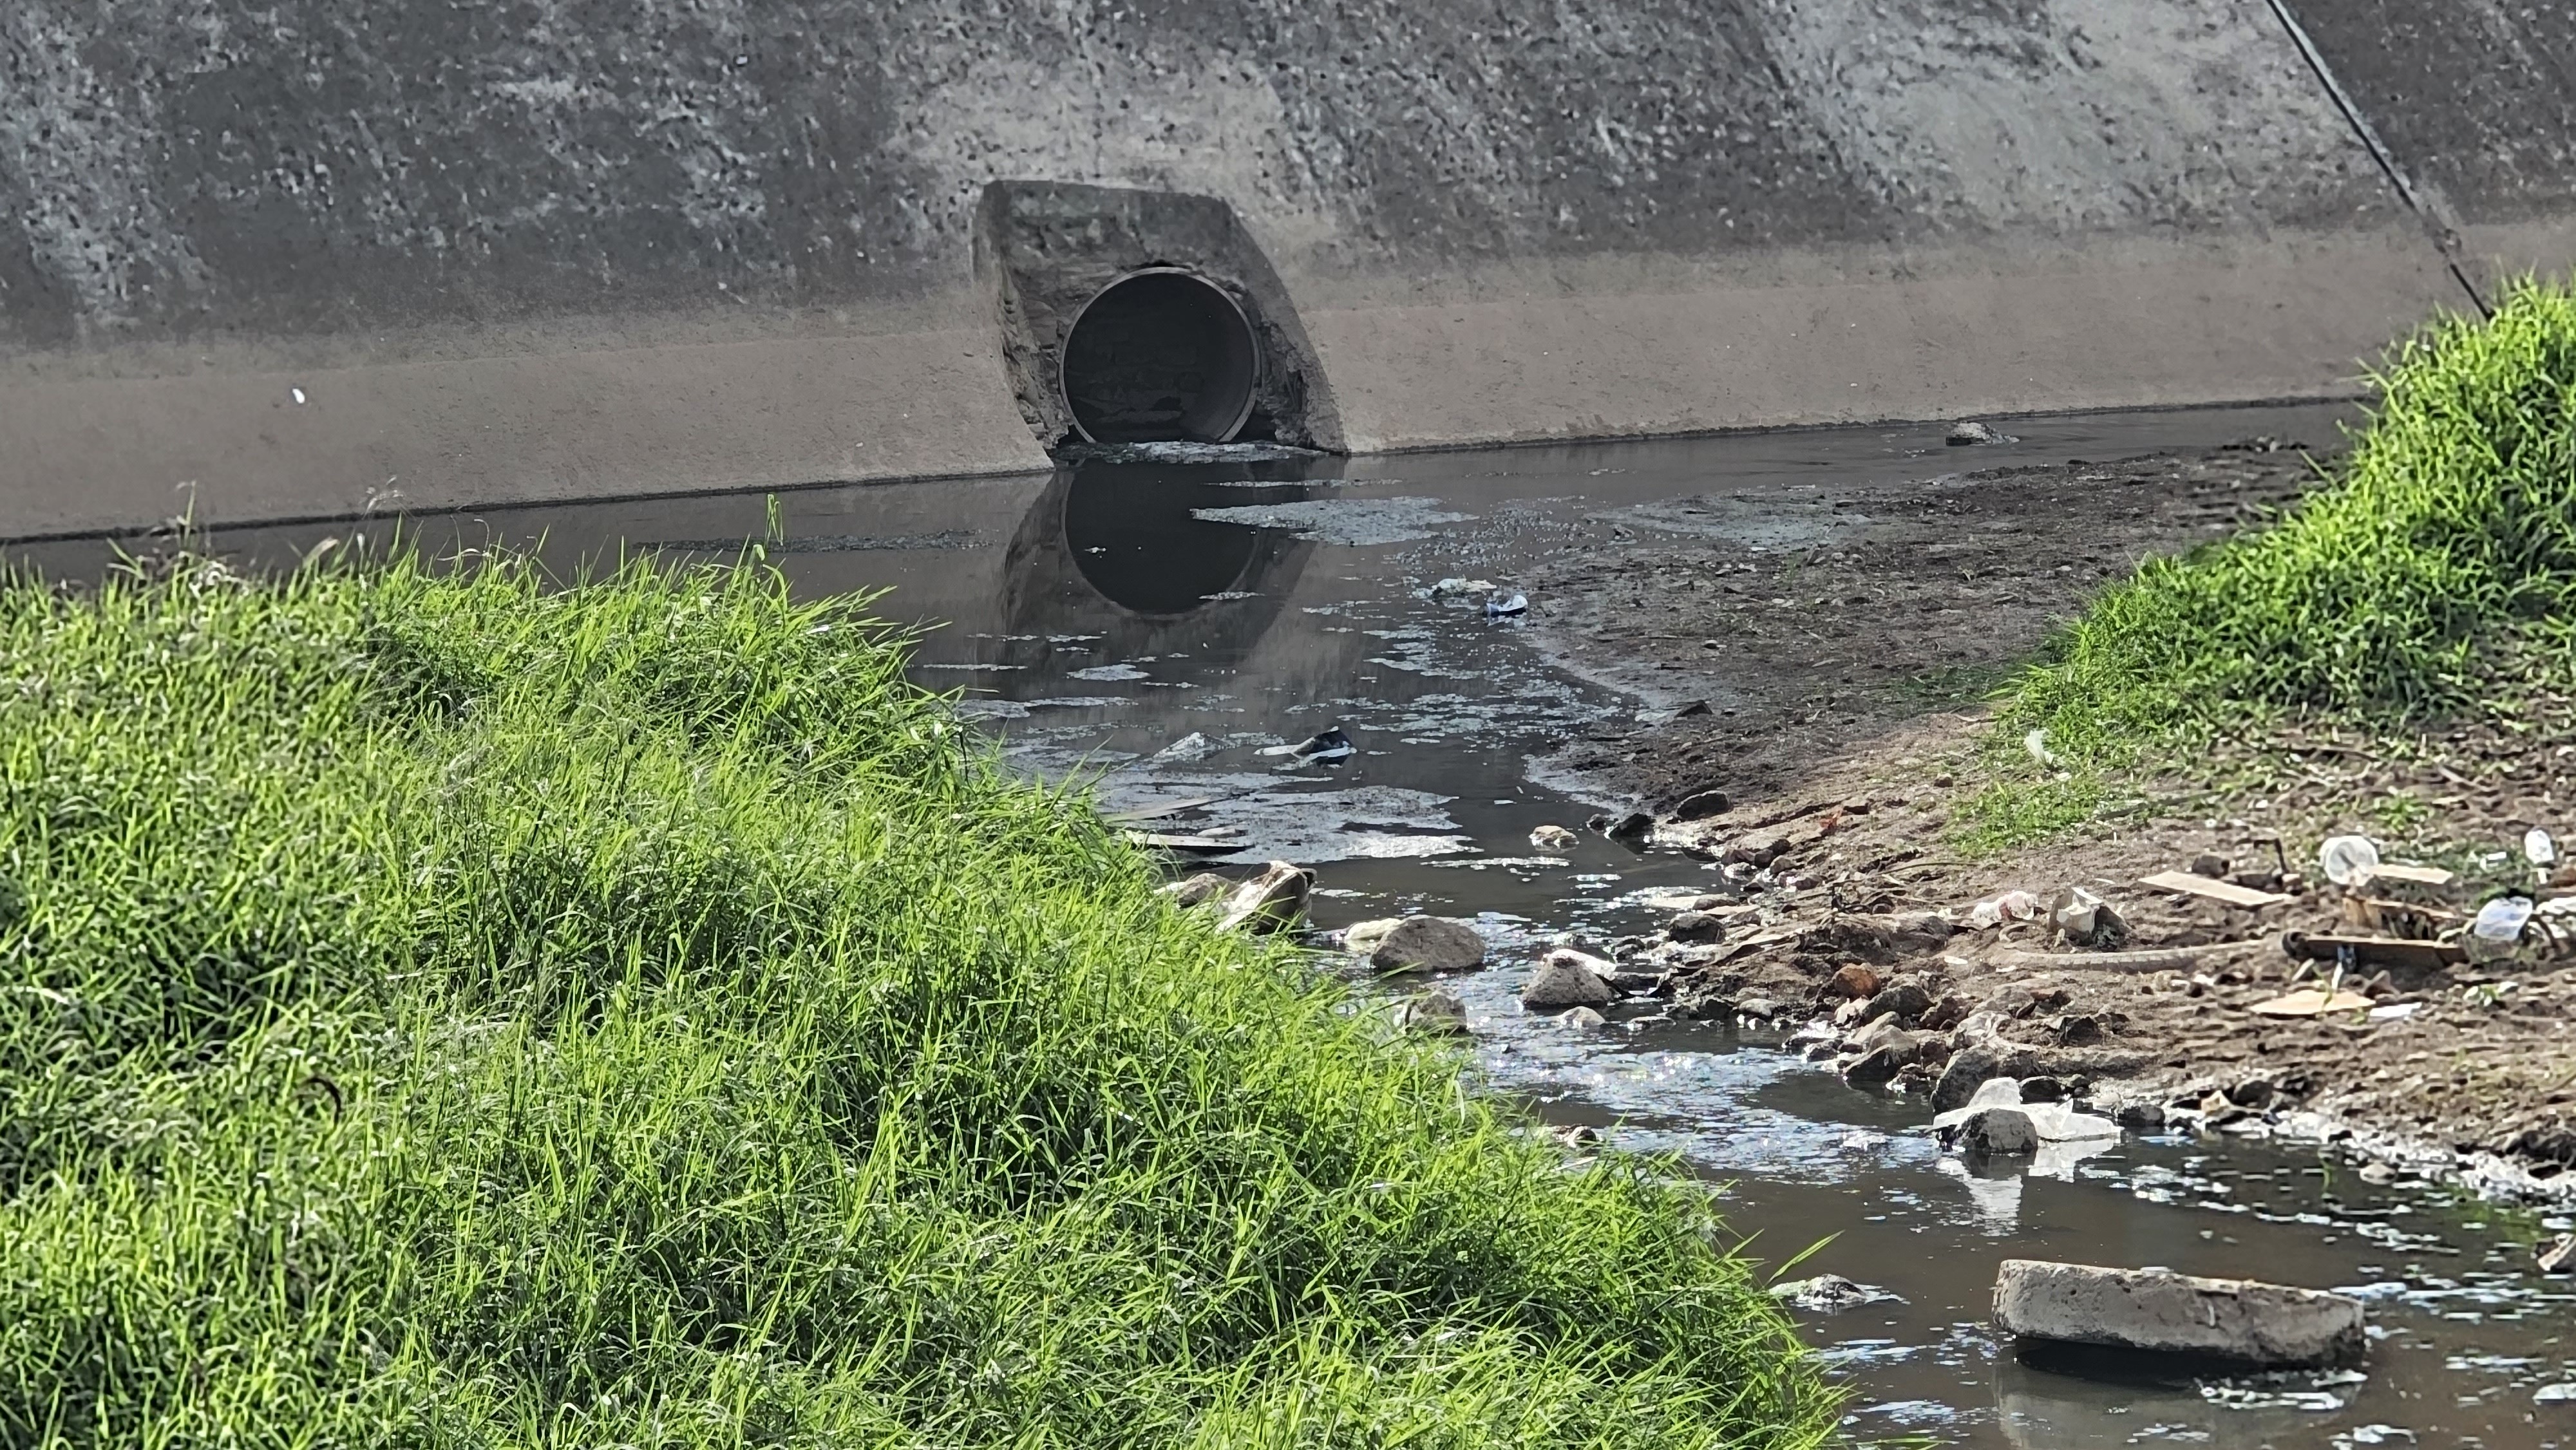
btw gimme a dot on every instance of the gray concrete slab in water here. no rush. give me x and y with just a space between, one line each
260 263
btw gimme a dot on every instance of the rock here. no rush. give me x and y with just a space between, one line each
1884 1032
1904 1001
1996 1132
2254 1093
1945 1014
1634 826
1994 1092
1272 901
1636 984
1828 1294
1764 1008
2043 1090
1580 1019
1695 927
1554 838
1204 887
1968 1070
2144 1116
1437 1012
1853 982
2558 1393
1361 937
1700 805
1969 433
1567 979
2209 864
1429 944
2239 1320
1879 1064
2073 1029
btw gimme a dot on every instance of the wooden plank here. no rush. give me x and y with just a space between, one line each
2312 1003
1186 845
2210 888
1147 813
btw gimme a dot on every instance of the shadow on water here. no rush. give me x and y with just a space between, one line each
1154 626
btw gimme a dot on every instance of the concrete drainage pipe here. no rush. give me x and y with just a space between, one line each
1160 355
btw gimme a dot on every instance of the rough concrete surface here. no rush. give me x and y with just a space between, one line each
1494 222
2164 1312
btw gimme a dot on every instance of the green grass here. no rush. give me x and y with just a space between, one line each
2432 576
444 1010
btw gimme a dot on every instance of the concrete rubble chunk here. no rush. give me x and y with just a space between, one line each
1567 978
1428 944
1272 901
2241 1320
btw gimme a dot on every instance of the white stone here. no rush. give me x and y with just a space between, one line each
2152 1309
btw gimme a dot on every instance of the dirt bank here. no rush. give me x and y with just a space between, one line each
1841 682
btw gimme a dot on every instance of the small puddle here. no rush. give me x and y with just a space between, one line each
1157 625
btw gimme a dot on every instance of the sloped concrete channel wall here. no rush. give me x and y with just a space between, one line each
303 258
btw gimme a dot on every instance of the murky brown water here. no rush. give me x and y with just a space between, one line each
1156 625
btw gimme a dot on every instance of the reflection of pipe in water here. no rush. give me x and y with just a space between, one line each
1114 550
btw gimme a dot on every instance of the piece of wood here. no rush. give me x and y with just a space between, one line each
1147 813
2210 888
2309 1002
1186 845
2373 951
2153 959
2433 876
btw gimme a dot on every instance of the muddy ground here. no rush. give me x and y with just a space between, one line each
1842 687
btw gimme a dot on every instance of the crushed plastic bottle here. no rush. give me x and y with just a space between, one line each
2345 858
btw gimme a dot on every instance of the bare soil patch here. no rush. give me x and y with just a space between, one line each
1842 724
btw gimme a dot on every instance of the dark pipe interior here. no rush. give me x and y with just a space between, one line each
1160 356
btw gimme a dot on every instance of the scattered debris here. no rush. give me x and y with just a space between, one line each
2226 893
2036 743
1332 744
1275 900
2372 951
1830 1294
1995 911
1193 746
2151 959
2344 857
1186 845
2158 1311
2086 920
1448 588
1507 608
2558 1256
1553 838
1428 944
2309 1002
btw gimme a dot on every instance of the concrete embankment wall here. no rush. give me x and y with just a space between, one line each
305 258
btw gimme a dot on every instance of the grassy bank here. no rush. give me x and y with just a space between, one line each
442 1011
2432 577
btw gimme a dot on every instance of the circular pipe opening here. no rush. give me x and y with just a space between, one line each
1158 356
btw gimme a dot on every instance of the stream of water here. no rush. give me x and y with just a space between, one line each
1155 625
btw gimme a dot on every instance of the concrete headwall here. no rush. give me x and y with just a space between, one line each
303 257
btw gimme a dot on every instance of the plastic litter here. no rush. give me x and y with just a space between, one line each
1506 608
1995 911
1330 745
2344 857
